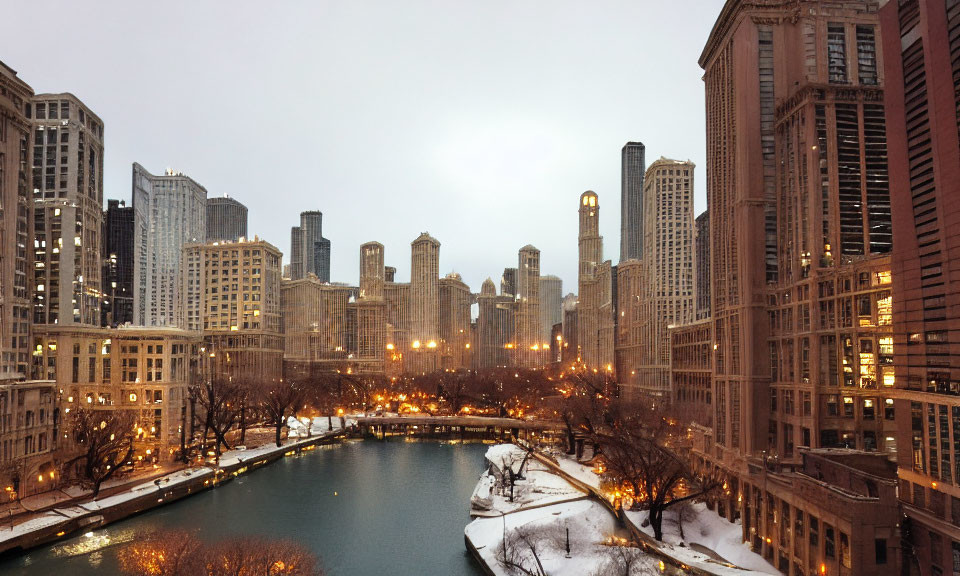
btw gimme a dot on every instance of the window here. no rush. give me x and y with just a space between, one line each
848 407
829 543
837 53
880 547
844 550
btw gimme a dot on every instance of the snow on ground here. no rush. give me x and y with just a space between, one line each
318 425
539 486
582 472
590 526
706 528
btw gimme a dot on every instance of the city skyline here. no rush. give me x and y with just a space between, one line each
489 112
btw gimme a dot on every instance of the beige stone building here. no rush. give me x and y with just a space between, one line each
397 297
495 328
423 354
595 308
68 210
147 370
633 340
16 225
455 341
29 434
530 343
668 284
369 310
551 304
315 326
237 288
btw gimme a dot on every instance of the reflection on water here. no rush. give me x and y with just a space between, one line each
367 508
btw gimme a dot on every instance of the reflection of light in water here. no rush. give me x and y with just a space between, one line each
93 542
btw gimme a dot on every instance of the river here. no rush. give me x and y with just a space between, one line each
366 508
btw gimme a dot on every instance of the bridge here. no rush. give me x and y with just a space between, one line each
458 427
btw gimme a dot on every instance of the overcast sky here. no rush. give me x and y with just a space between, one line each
481 122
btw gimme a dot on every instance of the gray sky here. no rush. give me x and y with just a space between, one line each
481 122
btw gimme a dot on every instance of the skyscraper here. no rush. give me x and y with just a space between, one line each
172 207
309 250
595 322
551 303
455 303
370 309
632 166
921 68
424 304
68 210
16 226
668 266
701 263
530 341
226 219
634 337
495 328
800 298
508 282
119 240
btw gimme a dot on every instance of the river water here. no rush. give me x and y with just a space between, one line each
367 508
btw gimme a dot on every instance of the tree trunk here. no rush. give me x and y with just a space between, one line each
243 422
656 521
279 426
329 423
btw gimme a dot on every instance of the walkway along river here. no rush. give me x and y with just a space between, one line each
366 508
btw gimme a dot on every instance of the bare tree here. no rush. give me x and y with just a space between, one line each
182 554
169 553
105 440
221 401
521 549
278 400
639 448
624 561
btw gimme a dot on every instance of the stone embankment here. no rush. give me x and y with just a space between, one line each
63 521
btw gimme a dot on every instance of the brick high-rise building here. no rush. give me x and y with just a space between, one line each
235 287
633 336
67 210
423 354
800 300
701 262
120 246
315 331
226 219
632 170
16 225
571 349
595 308
668 267
921 48
173 209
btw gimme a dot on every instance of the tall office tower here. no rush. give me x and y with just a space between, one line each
67 210
595 322
233 289
455 303
495 328
424 305
16 226
551 304
226 219
173 209
921 68
571 347
370 311
296 253
309 250
397 297
668 267
315 329
633 338
801 297
119 239
529 338
508 282
632 167
701 263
